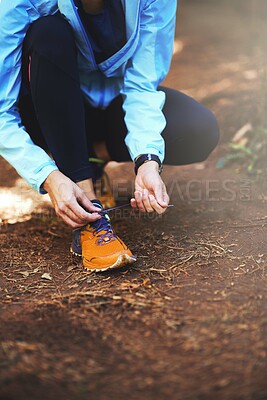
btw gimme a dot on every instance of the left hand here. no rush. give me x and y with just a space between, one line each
150 191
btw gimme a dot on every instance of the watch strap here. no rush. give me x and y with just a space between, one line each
144 158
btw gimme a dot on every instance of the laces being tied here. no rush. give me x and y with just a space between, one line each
101 225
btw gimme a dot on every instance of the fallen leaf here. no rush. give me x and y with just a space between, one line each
24 273
239 135
46 276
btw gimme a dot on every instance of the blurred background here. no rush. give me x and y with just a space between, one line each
221 60
189 320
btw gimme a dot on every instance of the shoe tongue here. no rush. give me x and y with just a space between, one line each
97 203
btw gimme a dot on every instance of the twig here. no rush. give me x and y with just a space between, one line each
54 234
181 263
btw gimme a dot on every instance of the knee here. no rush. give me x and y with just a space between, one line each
207 131
52 37
212 131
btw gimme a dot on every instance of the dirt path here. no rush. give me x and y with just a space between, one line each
189 321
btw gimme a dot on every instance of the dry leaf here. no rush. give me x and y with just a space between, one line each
239 135
46 276
24 273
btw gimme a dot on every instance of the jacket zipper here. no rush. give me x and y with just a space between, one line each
102 93
85 36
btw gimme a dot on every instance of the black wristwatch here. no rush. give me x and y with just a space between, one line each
138 161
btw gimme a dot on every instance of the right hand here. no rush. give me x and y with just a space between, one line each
150 191
69 200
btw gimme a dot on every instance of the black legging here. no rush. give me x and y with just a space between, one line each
57 118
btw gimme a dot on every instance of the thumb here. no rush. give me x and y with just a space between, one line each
162 196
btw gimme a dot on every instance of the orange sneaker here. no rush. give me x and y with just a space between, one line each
100 247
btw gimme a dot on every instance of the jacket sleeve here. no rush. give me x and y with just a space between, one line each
148 66
16 146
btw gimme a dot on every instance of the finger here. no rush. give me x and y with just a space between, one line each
72 210
65 218
81 196
63 210
166 197
146 201
133 203
138 199
82 215
156 206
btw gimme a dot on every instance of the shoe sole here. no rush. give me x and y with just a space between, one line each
121 261
73 252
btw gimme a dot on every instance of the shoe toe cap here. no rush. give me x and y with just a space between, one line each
115 260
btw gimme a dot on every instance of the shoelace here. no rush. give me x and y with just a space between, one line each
103 224
105 211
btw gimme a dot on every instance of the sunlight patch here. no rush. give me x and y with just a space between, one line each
17 204
178 46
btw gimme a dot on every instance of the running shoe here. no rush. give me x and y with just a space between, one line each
99 246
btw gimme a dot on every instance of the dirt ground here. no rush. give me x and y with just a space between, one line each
189 320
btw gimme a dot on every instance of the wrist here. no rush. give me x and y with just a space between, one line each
51 177
145 159
148 166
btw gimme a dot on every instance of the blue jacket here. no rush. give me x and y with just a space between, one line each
135 72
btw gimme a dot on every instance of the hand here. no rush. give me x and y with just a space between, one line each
150 191
68 200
